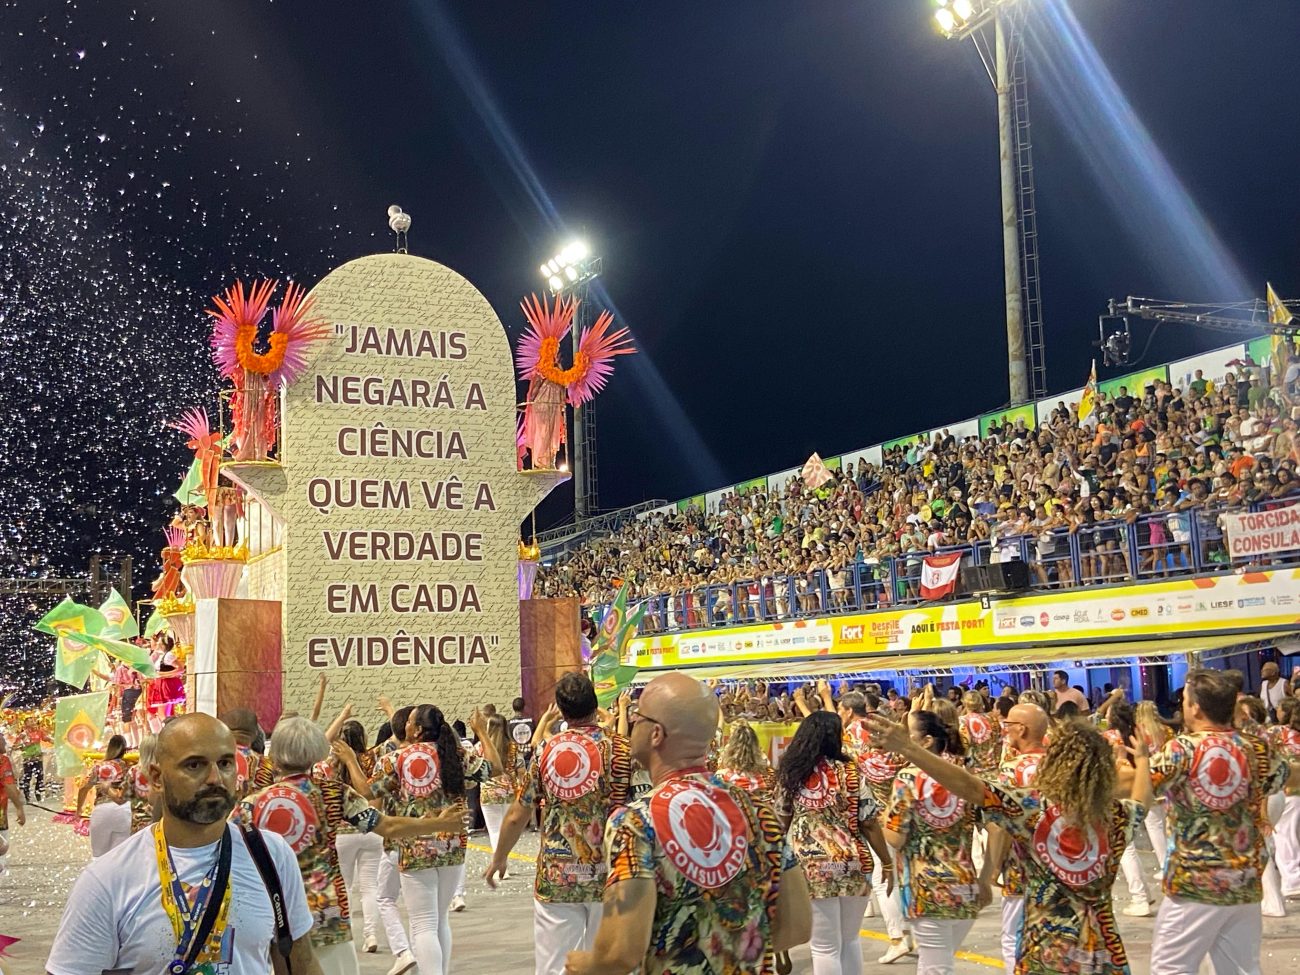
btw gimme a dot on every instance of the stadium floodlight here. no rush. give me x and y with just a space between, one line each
572 266
1003 58
961 18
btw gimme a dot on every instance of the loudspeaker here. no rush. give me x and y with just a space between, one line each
999 577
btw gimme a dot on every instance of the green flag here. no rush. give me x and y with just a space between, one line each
617 627
72 624
191 489
134 657
70 615
157 623
120 621
78 725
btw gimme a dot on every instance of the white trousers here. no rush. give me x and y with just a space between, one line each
110 824
560 929
1185 932
428 896
937 941
890 905
492 816
359 856
388 887
1286 836
1131 864
836 942
1155 823
340 959
1013 916
1274 904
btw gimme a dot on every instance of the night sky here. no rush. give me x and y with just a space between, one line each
797 205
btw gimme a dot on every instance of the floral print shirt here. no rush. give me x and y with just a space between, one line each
252 771
1216 783
1286 741
1017 772
582 775
826 817
1069 926
107 776
501 789
307 810
409 781
332 768
716 858
938 876
140 797
761 785
6 779
983 743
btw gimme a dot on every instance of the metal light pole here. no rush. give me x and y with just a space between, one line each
1016 370
1004 60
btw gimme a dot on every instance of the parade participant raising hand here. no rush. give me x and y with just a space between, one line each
110 820
933 831
1075 831
833 827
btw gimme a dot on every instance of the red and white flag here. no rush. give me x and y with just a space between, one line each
815 473
939 575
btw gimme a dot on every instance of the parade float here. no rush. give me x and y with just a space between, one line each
354 512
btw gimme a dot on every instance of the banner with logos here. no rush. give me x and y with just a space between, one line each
1208 605
1254 533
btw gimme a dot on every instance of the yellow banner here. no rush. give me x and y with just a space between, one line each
1229 603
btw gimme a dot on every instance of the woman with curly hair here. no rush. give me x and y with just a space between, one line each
1075 831
831 816
933 831
743 764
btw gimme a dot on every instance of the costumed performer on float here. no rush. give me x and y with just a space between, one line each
259 376
550 386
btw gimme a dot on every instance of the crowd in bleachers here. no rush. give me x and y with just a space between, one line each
1133 490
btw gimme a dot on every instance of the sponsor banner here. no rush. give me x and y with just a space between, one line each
1134 382
1250 600
1009 415
1263 532
774 737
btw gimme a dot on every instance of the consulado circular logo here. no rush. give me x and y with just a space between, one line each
702 830
571 766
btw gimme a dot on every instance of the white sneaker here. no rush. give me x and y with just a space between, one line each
871 907
458 903
402 964
896 951
1138 909
372 946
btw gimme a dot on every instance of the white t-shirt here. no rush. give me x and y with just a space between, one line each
114 919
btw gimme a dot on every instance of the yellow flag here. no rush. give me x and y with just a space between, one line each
1088 399
1278 313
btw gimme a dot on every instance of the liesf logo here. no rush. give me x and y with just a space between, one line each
1221 604
1117 614
852 634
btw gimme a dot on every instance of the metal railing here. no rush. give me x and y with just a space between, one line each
1150 547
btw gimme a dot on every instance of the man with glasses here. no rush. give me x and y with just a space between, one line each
1023 731
581 775
701 878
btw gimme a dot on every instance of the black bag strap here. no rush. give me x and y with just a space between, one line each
271 880
213 906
